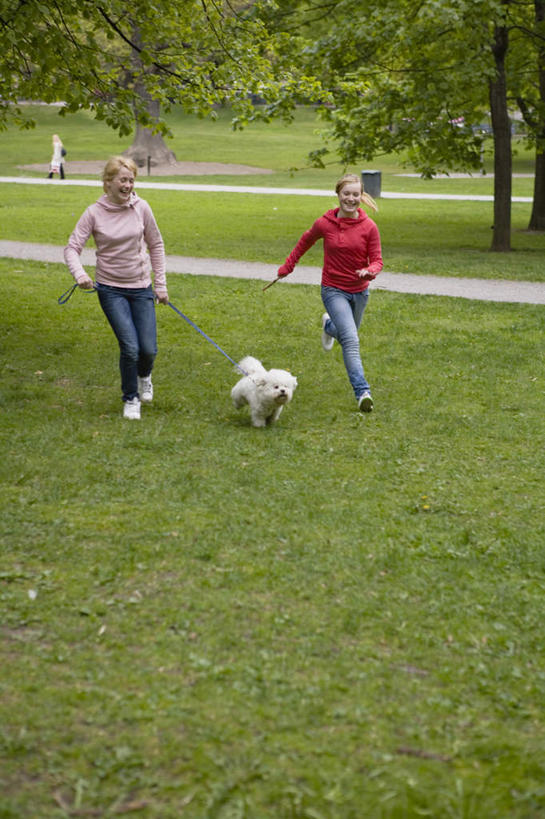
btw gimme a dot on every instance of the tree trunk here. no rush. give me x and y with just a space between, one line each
148 148
146 144
501 125
537 219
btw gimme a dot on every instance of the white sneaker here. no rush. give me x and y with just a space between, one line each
145 389
327 340
365 402
131 409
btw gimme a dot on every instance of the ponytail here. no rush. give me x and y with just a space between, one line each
369 201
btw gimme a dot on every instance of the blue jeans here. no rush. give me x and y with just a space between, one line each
345 315
131 313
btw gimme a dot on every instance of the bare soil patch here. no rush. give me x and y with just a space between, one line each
94 168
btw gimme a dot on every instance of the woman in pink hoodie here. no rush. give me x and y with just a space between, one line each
128 247
352 258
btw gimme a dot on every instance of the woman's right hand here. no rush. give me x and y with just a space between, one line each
366 275
283 271
86 283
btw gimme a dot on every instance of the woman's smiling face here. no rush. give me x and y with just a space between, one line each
349 199
121 186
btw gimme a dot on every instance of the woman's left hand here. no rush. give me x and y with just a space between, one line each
365 275
161 298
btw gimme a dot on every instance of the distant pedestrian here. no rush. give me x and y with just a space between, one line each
124 229
352 258
57 160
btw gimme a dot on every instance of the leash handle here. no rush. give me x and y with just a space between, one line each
63 298
66 295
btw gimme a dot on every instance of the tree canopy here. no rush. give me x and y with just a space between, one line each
196 53
392 75
424 77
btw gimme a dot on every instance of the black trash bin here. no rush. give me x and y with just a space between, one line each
371 181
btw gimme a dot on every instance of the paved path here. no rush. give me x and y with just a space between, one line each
482 289
179 186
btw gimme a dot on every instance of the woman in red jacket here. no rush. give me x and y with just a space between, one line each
352 258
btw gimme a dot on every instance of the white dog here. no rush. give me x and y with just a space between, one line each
265 391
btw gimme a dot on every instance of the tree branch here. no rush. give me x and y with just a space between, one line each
161 68
216 34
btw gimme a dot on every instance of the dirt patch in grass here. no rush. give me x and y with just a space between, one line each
94 168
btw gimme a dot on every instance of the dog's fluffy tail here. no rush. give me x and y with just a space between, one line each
250 365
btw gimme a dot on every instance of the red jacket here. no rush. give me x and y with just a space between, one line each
349 245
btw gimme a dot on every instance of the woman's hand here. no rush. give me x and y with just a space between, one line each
365 275
86 283
162 298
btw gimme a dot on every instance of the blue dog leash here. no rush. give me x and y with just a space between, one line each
198 329
67 293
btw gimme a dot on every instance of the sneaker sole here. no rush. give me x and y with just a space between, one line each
327 340
366 405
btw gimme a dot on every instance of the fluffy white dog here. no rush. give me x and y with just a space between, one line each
265 391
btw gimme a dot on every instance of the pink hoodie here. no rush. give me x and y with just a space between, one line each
123 236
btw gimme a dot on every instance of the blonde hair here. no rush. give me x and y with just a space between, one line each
347 179
114 165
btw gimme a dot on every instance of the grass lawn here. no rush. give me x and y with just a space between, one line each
334 618
276 147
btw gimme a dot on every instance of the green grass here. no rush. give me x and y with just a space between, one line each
337 617
334 618
275 147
